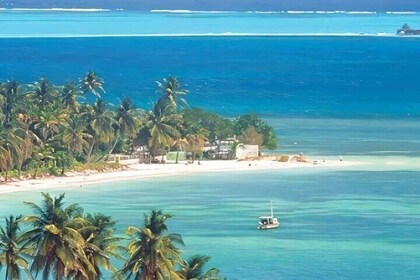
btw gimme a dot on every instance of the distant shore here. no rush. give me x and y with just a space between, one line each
135 171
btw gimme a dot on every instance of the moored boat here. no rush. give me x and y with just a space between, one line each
407 30
268 222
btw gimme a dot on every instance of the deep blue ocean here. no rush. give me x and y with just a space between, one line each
326 96
281 76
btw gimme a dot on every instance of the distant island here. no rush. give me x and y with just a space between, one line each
407 30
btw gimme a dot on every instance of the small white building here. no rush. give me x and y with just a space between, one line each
247 151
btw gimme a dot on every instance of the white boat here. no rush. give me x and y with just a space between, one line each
268 222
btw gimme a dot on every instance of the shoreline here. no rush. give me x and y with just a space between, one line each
137 171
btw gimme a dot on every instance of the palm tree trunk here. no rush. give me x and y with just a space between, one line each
200 158
35 173
177 155
193 157
5 177
62 168
105 158
91 150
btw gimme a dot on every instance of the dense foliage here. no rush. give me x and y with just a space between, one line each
65 243
49 128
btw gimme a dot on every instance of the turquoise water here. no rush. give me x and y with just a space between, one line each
40 24
325 96
334 224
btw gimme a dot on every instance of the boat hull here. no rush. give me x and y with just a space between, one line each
268 226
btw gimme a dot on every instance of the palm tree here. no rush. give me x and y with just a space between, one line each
63 159
69 96
75 135
153 255
194 267
162 128
101 121
156 221
196 141
41 155
126 122
59 247
2 102
11 93
47 122
10 144
42 93
180 143
101 245
92 83
12 251
24 141
127 117
172 93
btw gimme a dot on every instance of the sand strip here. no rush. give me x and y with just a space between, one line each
137 171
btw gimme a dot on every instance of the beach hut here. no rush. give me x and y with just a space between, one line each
246 151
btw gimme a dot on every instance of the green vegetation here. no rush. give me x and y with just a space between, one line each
63 242
49 129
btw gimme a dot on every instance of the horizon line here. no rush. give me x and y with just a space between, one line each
225 34
185 11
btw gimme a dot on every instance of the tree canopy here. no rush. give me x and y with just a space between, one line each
60 128
59 241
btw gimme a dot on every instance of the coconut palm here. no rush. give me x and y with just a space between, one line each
13 252
194 269
11 96
196 141
180 143
42 93
92 83
75 135
2 99
153 254
126 122
172 93
41 155
69 95
101 245
101 121
63 160
162 128
10 144
24 140
156 221
127 117
47 122
59 247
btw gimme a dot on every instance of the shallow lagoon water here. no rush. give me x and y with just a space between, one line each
334 224
120 23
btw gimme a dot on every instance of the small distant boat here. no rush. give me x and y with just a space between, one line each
268 222
407 30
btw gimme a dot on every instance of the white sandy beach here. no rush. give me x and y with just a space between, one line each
136 171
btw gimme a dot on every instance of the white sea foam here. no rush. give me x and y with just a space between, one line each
361 13
300 12
266 12
327 12
401 13
191 12
292 12
56 10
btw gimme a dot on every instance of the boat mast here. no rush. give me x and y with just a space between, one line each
271 203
